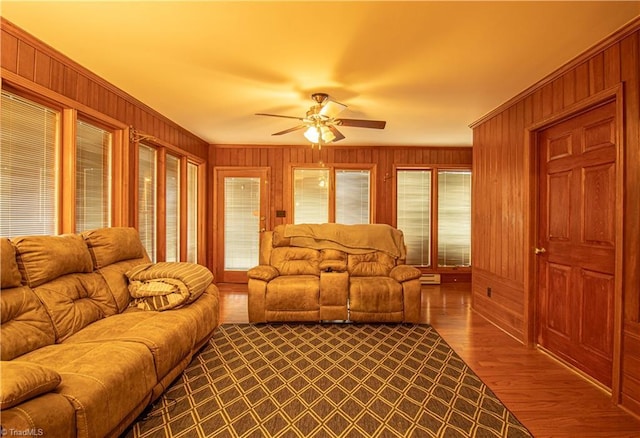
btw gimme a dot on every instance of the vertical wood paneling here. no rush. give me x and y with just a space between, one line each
42 74
499 197
9 52
26 60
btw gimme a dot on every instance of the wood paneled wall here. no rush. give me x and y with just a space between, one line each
27 61
504 194
278 159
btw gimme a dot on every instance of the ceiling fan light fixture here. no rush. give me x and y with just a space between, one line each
312 134
316 134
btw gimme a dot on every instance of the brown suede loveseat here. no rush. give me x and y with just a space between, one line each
77 360
329 272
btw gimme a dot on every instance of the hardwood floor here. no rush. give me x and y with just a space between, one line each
547 397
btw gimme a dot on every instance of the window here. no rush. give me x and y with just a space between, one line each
29 138
436 223
192 212
172 189
413 212
315 200
174 192
147 211
93 177
311 196
454 218
352 197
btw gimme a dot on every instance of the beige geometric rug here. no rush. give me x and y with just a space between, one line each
328 380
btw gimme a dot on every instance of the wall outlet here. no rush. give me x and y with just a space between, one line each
489 292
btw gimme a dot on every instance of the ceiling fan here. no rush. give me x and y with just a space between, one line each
321 121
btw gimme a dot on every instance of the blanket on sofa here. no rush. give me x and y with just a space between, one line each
354 239
167 285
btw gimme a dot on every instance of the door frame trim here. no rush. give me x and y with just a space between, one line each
218 209
531 223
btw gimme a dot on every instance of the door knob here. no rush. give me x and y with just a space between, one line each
539 251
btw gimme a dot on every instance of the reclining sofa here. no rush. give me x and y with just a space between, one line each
333 272
77 359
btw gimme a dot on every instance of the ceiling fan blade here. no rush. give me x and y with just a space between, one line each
359 123
278 115
286 131
331 109
335 132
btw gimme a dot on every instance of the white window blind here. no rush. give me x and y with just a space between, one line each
241 223
192 213
454 218
29 140
352 196
311 196
147 210
414 214
93 177
172 188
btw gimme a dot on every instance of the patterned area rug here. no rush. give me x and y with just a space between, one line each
338 380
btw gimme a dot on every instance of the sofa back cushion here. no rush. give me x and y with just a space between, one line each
116 250
296 261
74 301
24 323
111 245
9 272
45 258
371 264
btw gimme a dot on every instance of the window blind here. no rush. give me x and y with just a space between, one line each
352 196
454 218
93 177
241 223
29 140
311 196
192 213
172 199
147 211
414 214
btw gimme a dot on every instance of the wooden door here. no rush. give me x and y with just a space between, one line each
576 243
241 216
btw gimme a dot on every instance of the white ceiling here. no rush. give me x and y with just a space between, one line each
428 68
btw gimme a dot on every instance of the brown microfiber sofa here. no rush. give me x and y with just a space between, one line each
77 360
329 272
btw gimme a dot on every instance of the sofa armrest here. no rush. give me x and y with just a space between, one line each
402 273
263 272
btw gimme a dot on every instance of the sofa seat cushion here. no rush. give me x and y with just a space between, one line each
23 381
25 323
293 292
104 381
375 295
169 336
